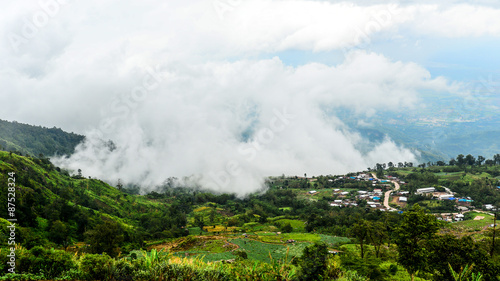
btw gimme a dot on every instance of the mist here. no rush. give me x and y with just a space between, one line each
222 94
227 126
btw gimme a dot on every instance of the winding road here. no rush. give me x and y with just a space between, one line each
388 194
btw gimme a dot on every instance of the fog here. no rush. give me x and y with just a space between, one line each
222 94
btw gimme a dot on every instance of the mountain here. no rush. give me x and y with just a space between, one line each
54 208
35 140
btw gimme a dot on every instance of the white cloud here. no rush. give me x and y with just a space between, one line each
195 123
88 65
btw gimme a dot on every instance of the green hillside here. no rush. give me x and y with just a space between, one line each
52 208
75 228
35 140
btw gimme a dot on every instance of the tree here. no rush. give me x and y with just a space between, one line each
59 233
449 251
452 162
199 222
470 160
360 231
461 160
480 160
378 236
496 158
313 262
105 238
415 227
286 228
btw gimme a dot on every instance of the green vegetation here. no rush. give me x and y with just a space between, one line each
73 228
36 140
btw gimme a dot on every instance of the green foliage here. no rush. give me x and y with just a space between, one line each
50 262
415 227
105 238
313 262
96 267
36 140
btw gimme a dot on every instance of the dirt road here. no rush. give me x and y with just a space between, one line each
388 194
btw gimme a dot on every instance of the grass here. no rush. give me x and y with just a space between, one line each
260 251
298 225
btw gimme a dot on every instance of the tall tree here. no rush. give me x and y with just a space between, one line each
415 227
470 160
378 236
480 160
360 231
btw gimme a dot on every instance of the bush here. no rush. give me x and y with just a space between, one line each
241 254
287 228
96 267
313 262
50 262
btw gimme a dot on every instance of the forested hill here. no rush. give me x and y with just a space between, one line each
35 140
54 208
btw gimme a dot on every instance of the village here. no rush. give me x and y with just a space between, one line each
397 199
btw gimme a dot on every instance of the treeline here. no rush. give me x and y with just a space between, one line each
35 140
56 210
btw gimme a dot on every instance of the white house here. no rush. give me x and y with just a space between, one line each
426 190
445 196
403 199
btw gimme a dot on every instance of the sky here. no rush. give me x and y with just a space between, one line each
222 93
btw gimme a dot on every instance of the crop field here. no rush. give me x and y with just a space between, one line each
262 251
298 226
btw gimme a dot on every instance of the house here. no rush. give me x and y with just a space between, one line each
445 196
334 205
344 193
459 217
362 192
488 206
375 198
312 192
426 190
337 201
403 199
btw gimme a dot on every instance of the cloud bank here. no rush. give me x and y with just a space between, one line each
228 125
199 88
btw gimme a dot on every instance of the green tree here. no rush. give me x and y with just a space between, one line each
360 231
105 238
313 262
377 236
58 233
199 222
449 251
286 228
415 227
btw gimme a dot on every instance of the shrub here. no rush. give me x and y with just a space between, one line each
313 262
241 254
96 267
51 262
